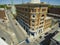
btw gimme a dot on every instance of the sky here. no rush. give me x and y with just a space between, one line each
52 2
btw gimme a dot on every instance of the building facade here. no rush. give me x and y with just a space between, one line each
54 10
32 18
48 22
55 13
2 13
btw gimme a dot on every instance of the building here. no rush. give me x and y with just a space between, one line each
2 13
54 10
55 13
32 17
56 39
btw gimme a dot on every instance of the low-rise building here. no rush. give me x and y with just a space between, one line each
55 13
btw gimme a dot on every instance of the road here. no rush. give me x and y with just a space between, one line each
19 33
5 35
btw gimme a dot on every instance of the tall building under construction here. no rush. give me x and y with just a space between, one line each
33 17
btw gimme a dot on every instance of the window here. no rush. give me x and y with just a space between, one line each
33 15
42 19
41 22
40 26
32 24
25 9
59 24
38 10
32 34
46 33
33 20
32 28
33 10
39 31
40 37
29 10
43 9
42 15
52 28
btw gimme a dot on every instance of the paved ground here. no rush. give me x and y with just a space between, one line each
5 35
19 34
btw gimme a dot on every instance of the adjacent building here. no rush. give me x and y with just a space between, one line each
55 13
2 13
54 10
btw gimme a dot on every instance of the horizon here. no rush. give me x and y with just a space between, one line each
51 2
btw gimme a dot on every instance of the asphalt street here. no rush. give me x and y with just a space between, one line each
19 34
